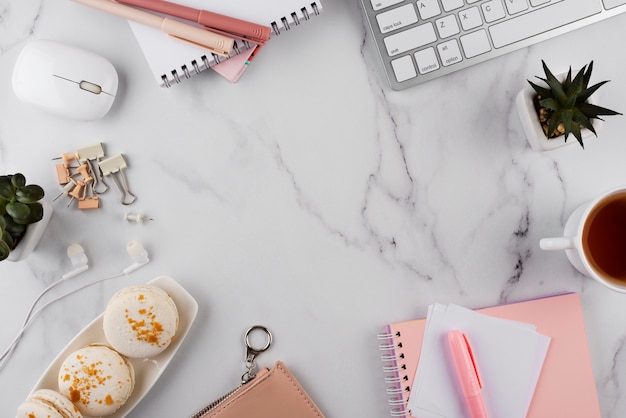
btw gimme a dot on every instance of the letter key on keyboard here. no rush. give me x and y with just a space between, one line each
420 40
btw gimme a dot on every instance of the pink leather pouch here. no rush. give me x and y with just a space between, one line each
272 393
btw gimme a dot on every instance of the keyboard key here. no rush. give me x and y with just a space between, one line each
403 68
516 6
447 26
426 60
381 4
449 52
428 8
609 4
396 18
475 43
493 10
470 18
449 5
410 39
539 21
536 3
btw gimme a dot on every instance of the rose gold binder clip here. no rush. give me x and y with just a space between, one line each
114 167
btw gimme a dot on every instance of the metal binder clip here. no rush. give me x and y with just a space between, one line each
116 165
252 352
89 154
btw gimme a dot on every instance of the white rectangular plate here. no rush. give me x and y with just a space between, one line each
147 371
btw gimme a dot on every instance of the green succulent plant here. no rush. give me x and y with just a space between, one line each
567 110
19 207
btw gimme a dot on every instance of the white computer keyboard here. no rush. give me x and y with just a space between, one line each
419 40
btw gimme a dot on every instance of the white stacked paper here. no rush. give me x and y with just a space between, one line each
509 356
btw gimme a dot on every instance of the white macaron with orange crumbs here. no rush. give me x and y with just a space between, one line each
140 321
47 403
97 379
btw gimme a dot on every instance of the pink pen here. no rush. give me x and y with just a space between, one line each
219 23
465 365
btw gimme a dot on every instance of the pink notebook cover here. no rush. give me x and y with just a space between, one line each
566 386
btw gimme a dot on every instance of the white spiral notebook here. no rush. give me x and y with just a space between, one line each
172 61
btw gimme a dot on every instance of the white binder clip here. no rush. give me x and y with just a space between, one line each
89 154
114 167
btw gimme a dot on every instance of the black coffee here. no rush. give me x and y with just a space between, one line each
604 238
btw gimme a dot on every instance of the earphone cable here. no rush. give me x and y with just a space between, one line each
32 314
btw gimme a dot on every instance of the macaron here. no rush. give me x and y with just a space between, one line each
97 379
140 321
46 403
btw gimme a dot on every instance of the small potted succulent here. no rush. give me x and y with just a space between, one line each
23 216
564 106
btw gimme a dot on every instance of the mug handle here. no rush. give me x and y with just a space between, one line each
561 243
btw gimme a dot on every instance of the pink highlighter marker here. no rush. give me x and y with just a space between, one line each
466 369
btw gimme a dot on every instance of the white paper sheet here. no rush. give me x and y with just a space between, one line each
509 357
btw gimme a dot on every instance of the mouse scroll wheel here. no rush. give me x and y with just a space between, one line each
90 87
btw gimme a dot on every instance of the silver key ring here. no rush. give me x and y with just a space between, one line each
252 352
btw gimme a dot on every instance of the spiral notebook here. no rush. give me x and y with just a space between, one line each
566 386
172 61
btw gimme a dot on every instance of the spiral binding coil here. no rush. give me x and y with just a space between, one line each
398 386
186 72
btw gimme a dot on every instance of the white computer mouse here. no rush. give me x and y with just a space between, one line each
65 80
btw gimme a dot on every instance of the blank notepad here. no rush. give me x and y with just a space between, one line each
566 386
509 356
172 61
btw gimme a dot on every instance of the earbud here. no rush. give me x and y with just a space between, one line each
138 254
79 260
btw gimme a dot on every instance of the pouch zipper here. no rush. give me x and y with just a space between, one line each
208 408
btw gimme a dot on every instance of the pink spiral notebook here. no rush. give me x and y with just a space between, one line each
566 386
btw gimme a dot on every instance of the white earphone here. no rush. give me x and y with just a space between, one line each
79 260
138 254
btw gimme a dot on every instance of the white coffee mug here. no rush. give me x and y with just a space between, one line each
594 239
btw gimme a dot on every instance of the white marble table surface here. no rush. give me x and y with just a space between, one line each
309 198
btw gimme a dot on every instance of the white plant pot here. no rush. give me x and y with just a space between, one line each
532 127
32 236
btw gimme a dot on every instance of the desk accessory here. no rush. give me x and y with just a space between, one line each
566 385
139 218
199 37
65 80
81 176
511 355
172 62
467 372
419 42
226 25
561 106
24 216
115 166
271 393
90 155
79 260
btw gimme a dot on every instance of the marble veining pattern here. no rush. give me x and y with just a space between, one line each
311 198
